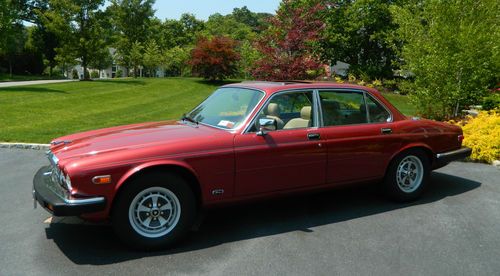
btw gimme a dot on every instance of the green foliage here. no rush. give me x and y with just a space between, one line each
94 74
74 74
78 25
176 61
451 47
219 25
491 101
360 33
131 20
152 57
136 57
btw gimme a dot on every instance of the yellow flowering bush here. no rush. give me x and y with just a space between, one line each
482 134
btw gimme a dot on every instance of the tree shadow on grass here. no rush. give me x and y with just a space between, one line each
98 245
119 81
31 89
217 82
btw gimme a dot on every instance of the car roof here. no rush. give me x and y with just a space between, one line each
271 87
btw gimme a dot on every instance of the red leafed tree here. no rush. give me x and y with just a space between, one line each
215 59
287 46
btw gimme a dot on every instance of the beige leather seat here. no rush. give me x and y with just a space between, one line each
273 112
303 121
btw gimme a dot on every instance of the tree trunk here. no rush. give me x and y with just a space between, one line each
10 68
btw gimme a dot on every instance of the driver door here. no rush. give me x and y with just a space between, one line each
290 157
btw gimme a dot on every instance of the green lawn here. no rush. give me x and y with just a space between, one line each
40 113
401 102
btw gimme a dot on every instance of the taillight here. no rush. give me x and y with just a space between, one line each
460 138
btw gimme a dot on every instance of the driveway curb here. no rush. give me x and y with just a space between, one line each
29 146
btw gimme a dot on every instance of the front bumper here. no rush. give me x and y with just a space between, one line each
446 157
57 201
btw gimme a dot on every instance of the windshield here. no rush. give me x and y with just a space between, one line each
227 107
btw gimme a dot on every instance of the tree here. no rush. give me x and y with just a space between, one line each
215 59
152 57
102 60
287 47
451 48
131 20
219 25
176 60
78 26
9 18
136 56
360 33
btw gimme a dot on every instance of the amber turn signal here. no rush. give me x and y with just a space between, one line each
101 179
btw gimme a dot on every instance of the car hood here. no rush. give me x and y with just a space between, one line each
126 138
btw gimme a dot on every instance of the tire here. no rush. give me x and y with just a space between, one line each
145 225
407 176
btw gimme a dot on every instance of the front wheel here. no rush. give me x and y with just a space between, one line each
407 176
154 211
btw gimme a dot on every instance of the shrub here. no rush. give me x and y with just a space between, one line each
491 102
119 73
482 134
94 74
215 59
74 74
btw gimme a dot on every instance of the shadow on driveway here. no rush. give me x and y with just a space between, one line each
97 245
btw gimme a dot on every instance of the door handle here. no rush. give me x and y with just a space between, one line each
386 130
313 136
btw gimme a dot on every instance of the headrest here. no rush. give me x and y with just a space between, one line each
305 113
273 109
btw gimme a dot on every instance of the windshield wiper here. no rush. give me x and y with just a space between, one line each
189 119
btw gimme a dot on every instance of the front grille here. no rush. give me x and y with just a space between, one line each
56 174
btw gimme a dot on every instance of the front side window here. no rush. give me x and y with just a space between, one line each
290 110
342 108
227 107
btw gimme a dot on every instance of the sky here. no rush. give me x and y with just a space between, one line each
202 9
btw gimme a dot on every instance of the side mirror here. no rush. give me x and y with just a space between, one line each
264 125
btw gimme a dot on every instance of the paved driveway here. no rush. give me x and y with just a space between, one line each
454 229
22 83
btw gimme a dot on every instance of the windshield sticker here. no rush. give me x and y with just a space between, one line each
225 123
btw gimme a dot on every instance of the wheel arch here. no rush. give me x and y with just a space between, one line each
179 168
420 146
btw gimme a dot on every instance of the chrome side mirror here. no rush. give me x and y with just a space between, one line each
264 125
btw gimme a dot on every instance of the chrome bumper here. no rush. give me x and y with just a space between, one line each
58 201
446 157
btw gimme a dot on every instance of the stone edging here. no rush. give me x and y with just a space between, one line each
29 146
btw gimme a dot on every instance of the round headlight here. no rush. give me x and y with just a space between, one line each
67 181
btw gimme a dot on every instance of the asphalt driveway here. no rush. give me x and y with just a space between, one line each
454 229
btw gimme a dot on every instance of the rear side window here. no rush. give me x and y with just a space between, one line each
343 108
377 112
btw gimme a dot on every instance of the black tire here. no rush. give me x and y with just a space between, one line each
130 223
394 184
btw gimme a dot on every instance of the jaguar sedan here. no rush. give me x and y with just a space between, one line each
246 141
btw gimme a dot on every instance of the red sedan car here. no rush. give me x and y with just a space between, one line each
246 141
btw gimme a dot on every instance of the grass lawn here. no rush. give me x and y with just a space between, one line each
40 113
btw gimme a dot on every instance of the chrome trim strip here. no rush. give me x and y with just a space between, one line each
63 194
453 152
84 201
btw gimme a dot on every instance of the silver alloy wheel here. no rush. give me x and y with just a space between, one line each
409 174
154 212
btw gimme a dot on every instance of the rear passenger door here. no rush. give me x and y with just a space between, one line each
358 136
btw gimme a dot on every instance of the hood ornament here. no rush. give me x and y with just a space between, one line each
55 143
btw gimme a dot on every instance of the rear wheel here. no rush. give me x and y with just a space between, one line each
407 175
154 211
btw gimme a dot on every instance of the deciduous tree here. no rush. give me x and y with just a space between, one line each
216 58
287 47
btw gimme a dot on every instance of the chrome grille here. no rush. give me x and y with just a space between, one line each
56 173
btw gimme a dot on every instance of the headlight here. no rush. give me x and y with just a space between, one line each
67 181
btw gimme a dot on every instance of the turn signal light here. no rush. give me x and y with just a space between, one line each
101 179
